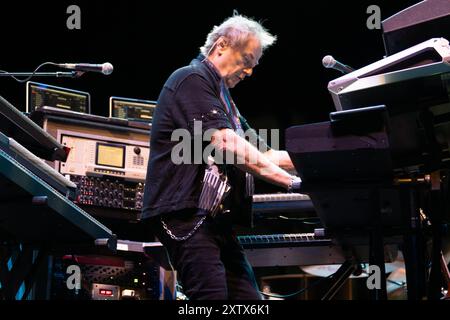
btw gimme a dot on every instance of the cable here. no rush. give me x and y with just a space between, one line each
32 75
399 284
311 221
303 220
283 296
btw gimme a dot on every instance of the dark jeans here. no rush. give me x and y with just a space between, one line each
211 264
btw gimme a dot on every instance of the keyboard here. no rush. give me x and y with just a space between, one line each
302 249
33 211
280 197
282 240
281 203
38 167
272 250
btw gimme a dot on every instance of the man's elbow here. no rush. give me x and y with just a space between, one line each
224 140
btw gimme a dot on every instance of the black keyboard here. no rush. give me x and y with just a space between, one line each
282 240
302 249
33 211
281 203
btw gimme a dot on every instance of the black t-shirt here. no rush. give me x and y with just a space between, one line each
191 93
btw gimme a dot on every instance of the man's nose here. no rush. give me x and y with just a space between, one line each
248 72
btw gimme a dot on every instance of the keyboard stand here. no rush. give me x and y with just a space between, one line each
30 264
376 255
348 268
353 266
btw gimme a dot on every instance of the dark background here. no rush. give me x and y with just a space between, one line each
147 40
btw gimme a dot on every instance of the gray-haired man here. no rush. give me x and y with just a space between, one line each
210 262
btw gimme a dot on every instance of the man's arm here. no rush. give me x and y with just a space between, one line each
249 158
279 157
282 159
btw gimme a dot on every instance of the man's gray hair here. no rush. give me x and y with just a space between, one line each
236 30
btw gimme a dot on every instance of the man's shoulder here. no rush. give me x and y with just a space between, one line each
191 72
187 71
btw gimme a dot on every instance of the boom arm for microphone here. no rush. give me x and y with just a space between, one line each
330 62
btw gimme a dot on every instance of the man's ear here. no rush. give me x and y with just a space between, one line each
222 44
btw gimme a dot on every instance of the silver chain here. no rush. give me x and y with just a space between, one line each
174 237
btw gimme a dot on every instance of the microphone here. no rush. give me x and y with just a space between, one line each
105 68
330 62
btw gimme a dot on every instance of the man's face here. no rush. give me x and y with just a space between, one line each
237 63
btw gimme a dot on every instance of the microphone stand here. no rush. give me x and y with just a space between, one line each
57 74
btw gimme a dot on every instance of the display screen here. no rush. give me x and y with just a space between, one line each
41 95
132 109
110 155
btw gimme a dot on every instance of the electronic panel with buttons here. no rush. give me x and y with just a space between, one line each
109 172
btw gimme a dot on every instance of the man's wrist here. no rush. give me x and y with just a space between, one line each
294 184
